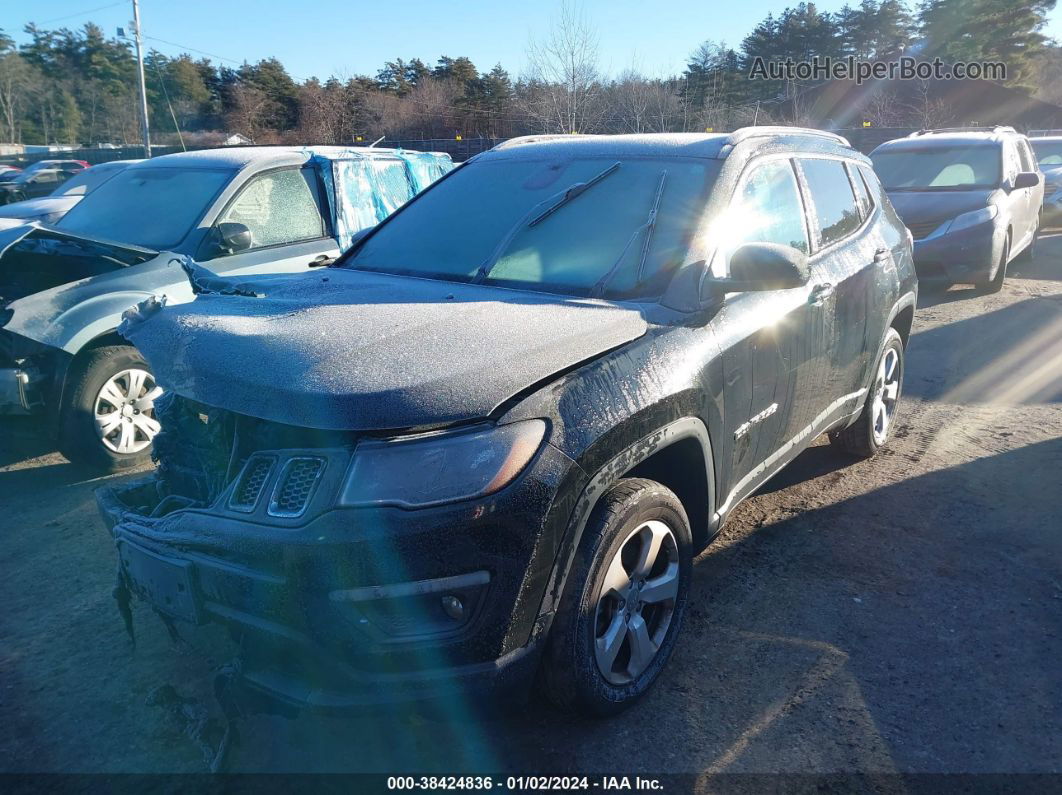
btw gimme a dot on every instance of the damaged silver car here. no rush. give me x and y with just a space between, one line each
63 288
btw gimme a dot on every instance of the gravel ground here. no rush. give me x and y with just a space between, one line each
902 614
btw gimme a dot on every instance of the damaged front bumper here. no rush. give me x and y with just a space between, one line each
341 607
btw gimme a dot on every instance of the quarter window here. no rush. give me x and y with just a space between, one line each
278 207
769 209
863 200
835 204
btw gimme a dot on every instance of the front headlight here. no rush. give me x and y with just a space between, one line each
438 468
966 220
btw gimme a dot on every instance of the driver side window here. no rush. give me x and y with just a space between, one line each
769 208
278 207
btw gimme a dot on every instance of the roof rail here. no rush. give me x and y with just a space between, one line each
532 139
745 133
1044 133
997 128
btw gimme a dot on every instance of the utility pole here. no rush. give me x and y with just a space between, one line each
143 86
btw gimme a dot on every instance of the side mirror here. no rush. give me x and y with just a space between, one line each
232 237
764 266
1026 179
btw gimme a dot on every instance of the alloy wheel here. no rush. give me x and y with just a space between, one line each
125 411
886 394
636 602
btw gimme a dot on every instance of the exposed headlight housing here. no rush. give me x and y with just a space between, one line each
431 469
973 218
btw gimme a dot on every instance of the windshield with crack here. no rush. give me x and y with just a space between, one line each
520 223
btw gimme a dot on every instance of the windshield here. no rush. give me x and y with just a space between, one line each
555 225
86 181
1048 153
939 168
151 207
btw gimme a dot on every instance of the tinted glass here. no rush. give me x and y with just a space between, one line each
769 209
863 200
152 207
486 212
1048 153
1025 156
835 203
278 207
939 167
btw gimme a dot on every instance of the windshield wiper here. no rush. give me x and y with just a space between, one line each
648 227
558 199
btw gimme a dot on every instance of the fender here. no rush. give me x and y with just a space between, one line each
603 479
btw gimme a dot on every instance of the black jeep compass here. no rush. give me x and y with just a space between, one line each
489 440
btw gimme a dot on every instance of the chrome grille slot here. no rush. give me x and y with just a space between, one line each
295 486
923 230
251 482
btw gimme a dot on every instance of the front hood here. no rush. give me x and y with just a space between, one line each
349 350
937 206
38 208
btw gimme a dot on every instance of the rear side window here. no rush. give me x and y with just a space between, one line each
835 203
769 209
1028 163
864 203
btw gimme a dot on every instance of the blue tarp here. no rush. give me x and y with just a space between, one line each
367 185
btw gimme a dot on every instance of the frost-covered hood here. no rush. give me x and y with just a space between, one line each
349 350
922 207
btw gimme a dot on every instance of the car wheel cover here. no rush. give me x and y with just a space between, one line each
124 411
886 394
636 602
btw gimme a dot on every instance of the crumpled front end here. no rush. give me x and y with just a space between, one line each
335 606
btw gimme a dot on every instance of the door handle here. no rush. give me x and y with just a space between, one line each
321 261
819 293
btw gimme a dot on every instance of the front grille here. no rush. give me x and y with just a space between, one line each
923 230
251 482
295 486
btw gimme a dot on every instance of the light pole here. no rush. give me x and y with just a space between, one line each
143 86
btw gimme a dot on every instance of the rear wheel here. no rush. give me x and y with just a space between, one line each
871 431
624 602
108 420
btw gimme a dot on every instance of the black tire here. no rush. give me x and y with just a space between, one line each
570 675
79 439
995 280
859 438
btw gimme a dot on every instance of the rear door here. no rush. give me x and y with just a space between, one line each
842 271
284 212
1033 198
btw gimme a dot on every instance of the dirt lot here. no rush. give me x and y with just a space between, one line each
898 615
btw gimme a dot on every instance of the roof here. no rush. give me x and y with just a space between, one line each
935 140
237 157
702 145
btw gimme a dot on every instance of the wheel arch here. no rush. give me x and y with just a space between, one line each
679 456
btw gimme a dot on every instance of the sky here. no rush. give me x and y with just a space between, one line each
321 38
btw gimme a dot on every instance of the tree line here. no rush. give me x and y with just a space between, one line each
78 86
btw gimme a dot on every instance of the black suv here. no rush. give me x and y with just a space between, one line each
490 439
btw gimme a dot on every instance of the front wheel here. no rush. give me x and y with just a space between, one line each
871 431
624 602
995 281
107 420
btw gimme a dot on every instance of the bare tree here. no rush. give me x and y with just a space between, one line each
16 84
249 106
928 111
563 75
